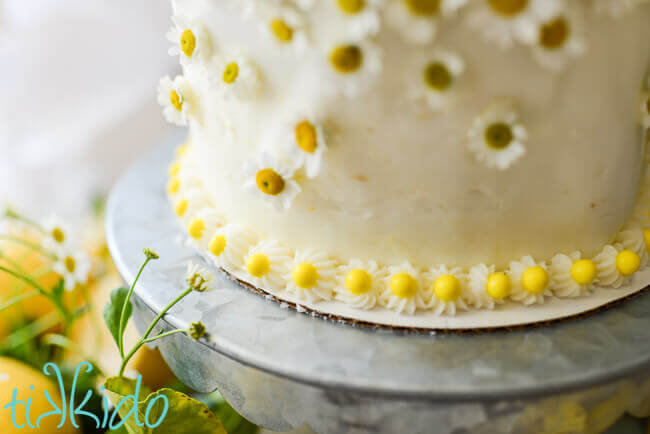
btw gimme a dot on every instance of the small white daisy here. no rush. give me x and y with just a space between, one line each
560 38
435 79
285 26
530 281
631 237
496 138
446 290
403 290
359 284
57 235
267 263
312 275
191 42
417 20
198 278
269 179
304 141
360 17
354 66
616 8
572 276
505 21
645 109
74 267
476 294
173 96
228 246
239 77
201 226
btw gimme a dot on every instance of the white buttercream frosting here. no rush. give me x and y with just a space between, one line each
325 276
367 300
608 273
519 293
476 294
439 306
404 304
562 283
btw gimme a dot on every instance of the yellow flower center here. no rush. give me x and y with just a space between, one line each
306 137
58 235
498 136
217 245
258 265
281 30
646 237
351 6
176 100
231 73
447 288
174 185
535 279
196 228
269 182
346 58
174 169
181 207
584 271
188 43
437 76
305 276
423 7
498 286
508 8
70 264
358 282
403 285
553 35
628 262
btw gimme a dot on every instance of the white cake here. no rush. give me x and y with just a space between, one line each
414 156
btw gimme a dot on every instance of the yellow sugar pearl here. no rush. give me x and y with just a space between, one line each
174 169
351 6
423 7
535 279
554 34
346 58
70 264
176 100
281 30
231 73
437 76
58 235
447 288
181 207
646 237
173 185
628 262
217 245
188 42
196 228
508 7
306 137
269 182
358 282
403 285
498 285
498 135
258 265
305 276
584 271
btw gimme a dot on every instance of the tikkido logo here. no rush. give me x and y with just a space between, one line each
110 420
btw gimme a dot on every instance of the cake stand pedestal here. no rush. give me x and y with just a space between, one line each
283 369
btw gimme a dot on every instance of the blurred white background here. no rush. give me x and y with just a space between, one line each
78 83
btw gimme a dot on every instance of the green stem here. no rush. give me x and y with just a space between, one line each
65 343
164 335
14 215
22 335
29 245
18 299
120 343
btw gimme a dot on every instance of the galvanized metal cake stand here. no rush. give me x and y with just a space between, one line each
285 369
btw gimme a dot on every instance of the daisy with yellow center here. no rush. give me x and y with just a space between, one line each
172 96
497 139
359 284
403 290
228 246
560 38
311 276
486 288
417 20
571 275
305 142
190 41
285 27
616 266
354 66
267 264
446 290
530 281
239 78
73 267
57 236
360 18
271 180
198 278
505 22
633 237
435 79
200 226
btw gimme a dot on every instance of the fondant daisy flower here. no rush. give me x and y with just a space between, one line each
57 236
360 284
312 275
267 263
354 66
446 288
403 292
271 180
201 226
286 27
228 246
417 20
73 267
530 281
305 142
616 266
560 38
572 276
505 21
486 288
645 109
616 8
360 17
435 79
198 278
239 77
173 96
631 237
191 41
496 138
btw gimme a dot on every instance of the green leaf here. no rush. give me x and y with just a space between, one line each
113 311
184 416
